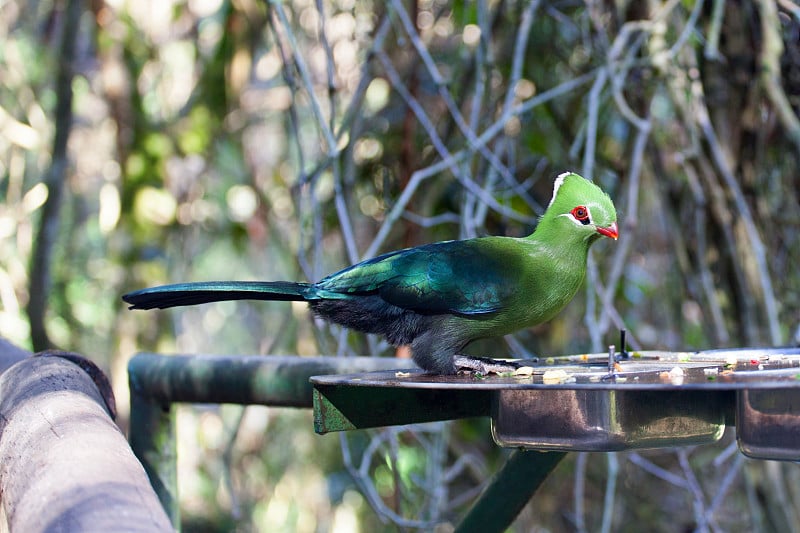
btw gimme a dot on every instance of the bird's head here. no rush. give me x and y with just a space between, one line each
581 209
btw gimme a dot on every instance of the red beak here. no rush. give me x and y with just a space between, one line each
610 232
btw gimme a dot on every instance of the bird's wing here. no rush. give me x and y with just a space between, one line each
469 277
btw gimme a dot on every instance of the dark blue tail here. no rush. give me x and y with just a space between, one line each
215 291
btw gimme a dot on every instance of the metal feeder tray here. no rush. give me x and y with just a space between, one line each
651 399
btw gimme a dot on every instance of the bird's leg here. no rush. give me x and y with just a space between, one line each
483 365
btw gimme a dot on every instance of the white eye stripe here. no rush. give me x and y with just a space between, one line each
572 219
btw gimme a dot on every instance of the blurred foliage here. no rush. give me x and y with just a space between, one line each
215 139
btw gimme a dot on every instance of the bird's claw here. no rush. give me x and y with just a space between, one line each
483 365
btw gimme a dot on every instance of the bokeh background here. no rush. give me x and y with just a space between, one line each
156 141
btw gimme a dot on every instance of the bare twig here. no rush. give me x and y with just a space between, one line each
423 174
472 140
611 490
790 7
714 30
699 500
706 279
770 71
362 476
579 490
743 215
42 256
330 68
305 76
661 473
587 169
689 28
482 57
722 490
632 202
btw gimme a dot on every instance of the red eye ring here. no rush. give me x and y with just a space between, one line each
580 213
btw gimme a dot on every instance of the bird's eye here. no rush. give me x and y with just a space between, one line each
581 214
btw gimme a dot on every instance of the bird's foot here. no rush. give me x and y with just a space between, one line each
484 365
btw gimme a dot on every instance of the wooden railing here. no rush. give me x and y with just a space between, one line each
64 463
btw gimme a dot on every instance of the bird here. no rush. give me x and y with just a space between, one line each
437 298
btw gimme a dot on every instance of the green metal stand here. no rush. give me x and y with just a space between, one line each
656 399
341 408
152 439
157 382
509 491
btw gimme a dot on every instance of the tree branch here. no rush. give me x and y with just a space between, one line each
42 257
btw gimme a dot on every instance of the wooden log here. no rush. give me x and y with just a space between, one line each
64 464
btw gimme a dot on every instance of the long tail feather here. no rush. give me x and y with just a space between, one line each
215 291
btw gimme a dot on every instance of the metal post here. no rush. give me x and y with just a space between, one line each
152 438
157 382
281 381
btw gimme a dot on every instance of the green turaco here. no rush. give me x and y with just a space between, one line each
439 297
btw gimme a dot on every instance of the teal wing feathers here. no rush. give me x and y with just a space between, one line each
461 277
